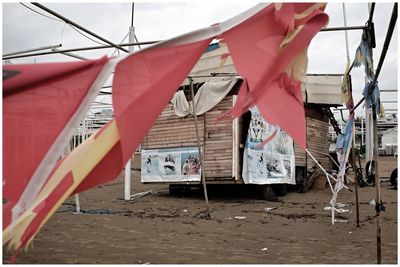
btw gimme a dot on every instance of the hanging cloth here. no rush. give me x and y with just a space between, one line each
207 97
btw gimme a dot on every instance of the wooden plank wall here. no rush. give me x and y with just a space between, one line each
218 140
318 136
171 131
300 156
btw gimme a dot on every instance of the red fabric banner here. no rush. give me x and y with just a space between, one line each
38 101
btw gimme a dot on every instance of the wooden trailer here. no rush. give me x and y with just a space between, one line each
222 143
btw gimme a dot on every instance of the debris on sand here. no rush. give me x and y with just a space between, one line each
141 194
268 209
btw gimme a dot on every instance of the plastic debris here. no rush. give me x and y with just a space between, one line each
268 209
240 217
337 210
141 194
264 249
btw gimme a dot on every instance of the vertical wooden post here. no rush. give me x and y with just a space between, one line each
203 179
378 189
355 180
349 82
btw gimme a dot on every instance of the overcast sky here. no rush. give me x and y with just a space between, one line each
24 29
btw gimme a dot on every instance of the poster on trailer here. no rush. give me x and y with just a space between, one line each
273 163
170 165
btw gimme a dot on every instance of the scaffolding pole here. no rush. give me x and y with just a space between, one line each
48 10
201 155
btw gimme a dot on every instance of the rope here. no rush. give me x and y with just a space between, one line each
326 174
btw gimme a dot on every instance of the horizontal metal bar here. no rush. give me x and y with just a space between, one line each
32 50
349 28
52 12
325 74
69 54
387 91
77 50
105 93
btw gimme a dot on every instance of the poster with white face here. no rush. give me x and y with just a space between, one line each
170 165
272 163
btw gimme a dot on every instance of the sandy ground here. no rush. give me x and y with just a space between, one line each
163 228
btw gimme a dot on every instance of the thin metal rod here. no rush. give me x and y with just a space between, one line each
350 28
388 38
345 33
133 12
371 12
385 48
388 91
79 49
69 54
203 178
78 26
32 50
325 74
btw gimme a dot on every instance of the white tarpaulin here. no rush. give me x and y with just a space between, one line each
207 97
273 163
170 165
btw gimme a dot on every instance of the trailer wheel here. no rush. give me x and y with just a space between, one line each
393 178
370 171
279 189
267 193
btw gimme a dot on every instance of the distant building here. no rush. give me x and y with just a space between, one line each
389 141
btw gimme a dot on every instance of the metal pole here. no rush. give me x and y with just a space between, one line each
371 9
199 148
79 49
345 33
350 28
32 50
69 54
128 166
77 26
362 132
77 204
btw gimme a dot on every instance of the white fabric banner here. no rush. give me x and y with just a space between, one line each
207 97
273 163
170 165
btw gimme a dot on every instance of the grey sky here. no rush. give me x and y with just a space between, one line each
24 29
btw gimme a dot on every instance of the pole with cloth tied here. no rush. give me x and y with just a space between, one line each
371 96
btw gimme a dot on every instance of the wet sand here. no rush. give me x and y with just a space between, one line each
162 228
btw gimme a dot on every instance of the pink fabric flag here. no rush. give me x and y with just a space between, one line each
262 49
40 105
264 42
